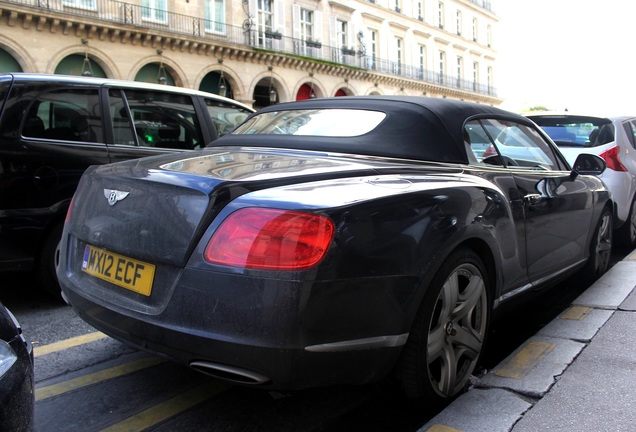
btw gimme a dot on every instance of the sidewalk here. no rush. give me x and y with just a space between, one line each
576 374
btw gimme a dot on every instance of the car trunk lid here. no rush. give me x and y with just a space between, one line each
156 209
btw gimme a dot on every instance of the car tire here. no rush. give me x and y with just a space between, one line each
600 247
627 233
47 262
448 334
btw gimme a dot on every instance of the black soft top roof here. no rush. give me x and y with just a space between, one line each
415 127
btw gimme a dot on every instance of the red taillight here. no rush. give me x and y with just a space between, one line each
68 211
611 157
78 191
270 239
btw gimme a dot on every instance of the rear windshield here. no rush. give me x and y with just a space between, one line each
313 122
577 131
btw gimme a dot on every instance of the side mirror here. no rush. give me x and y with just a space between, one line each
588 164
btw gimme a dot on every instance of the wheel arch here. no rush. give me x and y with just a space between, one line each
476 244
409 366
483 250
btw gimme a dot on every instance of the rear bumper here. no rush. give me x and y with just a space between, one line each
273 334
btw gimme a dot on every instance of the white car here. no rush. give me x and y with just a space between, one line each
613 139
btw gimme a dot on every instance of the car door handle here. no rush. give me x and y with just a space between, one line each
533 199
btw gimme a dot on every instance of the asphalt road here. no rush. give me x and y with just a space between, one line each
89 382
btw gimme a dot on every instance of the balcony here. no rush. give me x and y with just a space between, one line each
199 30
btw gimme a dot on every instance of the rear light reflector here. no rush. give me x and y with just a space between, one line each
270 239
611 157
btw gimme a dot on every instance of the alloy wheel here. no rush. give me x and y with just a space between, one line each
457 330
631 233
448 334
603 244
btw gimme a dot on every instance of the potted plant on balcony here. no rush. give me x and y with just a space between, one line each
313 43
348 51
271 34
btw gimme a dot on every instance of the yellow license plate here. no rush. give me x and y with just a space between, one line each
117 269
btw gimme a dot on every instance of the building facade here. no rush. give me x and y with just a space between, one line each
262 51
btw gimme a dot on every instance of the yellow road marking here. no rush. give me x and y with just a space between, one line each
169 408
525 360
67 343
442 428
86 380
576 313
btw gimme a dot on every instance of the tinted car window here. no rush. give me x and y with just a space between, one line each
162 120
65 115
225 117
630 131
576 131
514 145
477 141
123 130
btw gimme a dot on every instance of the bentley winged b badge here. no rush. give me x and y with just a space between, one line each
114 195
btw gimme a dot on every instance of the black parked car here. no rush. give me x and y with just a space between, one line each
333 241
17 395
53 127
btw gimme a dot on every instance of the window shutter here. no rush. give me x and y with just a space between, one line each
333 35
318 26
352 39
279 16
296 21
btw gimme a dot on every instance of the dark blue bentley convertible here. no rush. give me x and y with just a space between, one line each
330 241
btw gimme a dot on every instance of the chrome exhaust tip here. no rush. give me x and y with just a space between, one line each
229 373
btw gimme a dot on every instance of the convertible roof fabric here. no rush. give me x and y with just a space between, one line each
420 128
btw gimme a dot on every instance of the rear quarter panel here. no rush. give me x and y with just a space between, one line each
393 233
